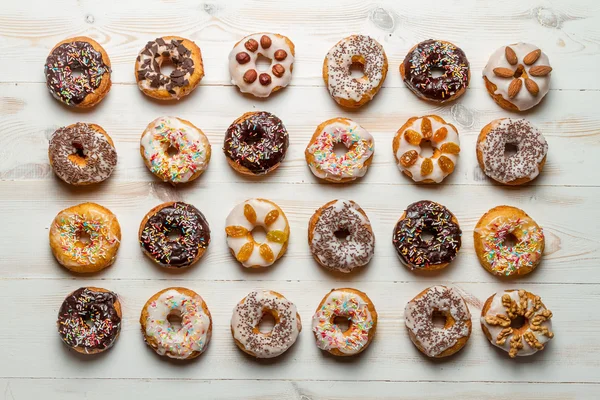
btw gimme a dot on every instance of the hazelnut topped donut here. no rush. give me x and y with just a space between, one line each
79 54
242 63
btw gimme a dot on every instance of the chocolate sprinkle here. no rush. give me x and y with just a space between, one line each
149 65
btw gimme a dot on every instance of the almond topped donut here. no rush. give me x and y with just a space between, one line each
517 76
79 54
242 63
185 56
360 50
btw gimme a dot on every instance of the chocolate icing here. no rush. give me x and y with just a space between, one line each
258 143
181 252
432 218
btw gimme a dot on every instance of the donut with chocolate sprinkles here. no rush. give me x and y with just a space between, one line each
174 234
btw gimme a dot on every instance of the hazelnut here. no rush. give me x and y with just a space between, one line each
280 55
265 42
278 70
242 57
250 76
251 45
264 79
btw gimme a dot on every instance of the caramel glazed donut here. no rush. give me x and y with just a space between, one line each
503 312
360 311
89 320
243 219
192 146
356 49
84 55
187 248
523 166
82 154
247 315
188 72
425 56
512 67
429 339
444 141
242 63
90 220
340 236
192 338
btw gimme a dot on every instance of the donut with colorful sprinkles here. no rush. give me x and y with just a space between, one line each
362 317
85 237
174 234
423 58
89 320
508 242
78 72
427 255
182 341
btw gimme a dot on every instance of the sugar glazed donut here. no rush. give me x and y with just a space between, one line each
444 140
427 217
242 63
192 150
85 237
423 58
83 55
340 236
82 154
517 322
243 219
89 320
325 164
521 167
185 342
512 67
246 318
256 143
435 341
503 223
174 217
185 56
362 317
358 50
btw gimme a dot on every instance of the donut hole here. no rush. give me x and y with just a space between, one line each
171 151
266 323
342 234
84 238
439 319
518 322
510 241
259 234
340 149
88 321
342 322
436 72
167 66
356 70
79 151
174 234
510 149
427 149
175 320
77 73
254 135
427 236
263 63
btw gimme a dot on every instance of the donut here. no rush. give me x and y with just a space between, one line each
189 144
186 222
517 76
418 65
502 259
438 342
185 342
517 322
85 237
246 75
340 236
362 318
523 166
89 320
243 219
91 81
82 154
186 58
427 255
256 143
443 138
246 318
325 164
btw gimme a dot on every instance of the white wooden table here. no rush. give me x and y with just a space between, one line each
565 200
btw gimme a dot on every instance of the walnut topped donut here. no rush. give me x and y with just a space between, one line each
242 63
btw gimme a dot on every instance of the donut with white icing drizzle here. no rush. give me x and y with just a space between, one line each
360 50
444 140
517 322
436 341
246 318
519 168
244 71
186 341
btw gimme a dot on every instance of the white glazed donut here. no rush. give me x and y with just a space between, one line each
407 148
242 63
243 219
